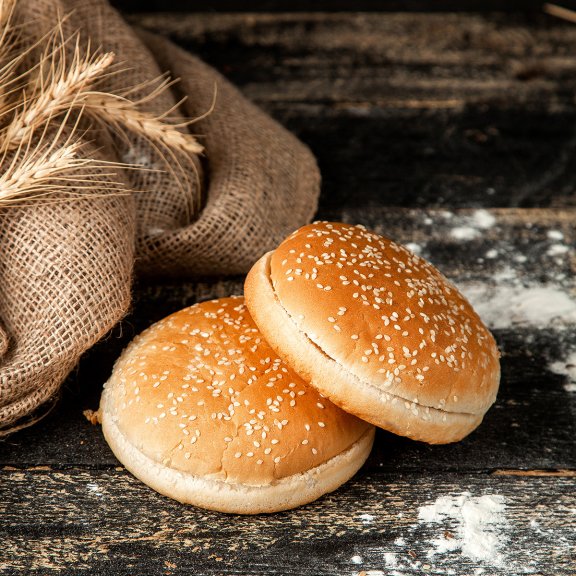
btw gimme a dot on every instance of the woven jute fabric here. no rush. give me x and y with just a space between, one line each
66 267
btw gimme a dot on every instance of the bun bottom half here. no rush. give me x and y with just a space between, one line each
388 411
221 496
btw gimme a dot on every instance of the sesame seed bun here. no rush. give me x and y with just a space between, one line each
200 408
376 329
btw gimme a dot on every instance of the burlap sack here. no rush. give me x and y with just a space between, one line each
66 267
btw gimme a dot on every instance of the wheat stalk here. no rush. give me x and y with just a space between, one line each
65 87
64 90
118 111
6 12
52 165
61 88
40 174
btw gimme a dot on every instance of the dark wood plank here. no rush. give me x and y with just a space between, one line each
409 109
423 110
329 5
106 522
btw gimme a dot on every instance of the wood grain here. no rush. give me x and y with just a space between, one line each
327 5
418 120
419 110
106 522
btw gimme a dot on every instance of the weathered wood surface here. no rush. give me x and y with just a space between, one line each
329 5
105 522
418 120
409 109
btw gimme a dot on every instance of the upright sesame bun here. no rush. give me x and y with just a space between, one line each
376 329
200 408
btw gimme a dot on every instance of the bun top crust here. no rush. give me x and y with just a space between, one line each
387 316
203 393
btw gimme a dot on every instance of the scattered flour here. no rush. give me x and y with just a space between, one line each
356 559
566 367
391 560
555 235
94 488
400 541
505 306
483 219
509 303
474 525
469 227
134 158
465 233
535 525
413 247
366 518
557 250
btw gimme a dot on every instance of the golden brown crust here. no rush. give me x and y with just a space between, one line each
388 320
238 498
202 394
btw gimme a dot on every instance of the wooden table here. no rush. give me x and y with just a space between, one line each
451 131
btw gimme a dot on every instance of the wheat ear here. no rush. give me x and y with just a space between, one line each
118 111
38 170
64 89
6 12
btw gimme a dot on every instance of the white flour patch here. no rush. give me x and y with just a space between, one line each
504 306
557 250
465 233
555 235
483 219
566 367
413 247
366 518
94 488
473 525
400 541
135 158
469 227
356 559
391 560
